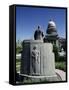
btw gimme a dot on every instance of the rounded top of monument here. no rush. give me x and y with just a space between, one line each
51 29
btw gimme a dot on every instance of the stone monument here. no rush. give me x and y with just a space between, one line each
38 61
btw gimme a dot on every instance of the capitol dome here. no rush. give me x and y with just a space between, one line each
51 24
51 29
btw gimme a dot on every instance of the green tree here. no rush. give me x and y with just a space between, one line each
55 50
18 48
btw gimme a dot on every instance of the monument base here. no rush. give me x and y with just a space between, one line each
35 79
38 62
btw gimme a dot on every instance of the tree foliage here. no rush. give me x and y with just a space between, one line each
55 50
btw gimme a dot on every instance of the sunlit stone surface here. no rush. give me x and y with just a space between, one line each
38 59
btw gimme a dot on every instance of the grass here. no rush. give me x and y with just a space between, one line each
18 62
29 81
60 65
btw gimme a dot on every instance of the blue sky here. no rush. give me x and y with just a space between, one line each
28 18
